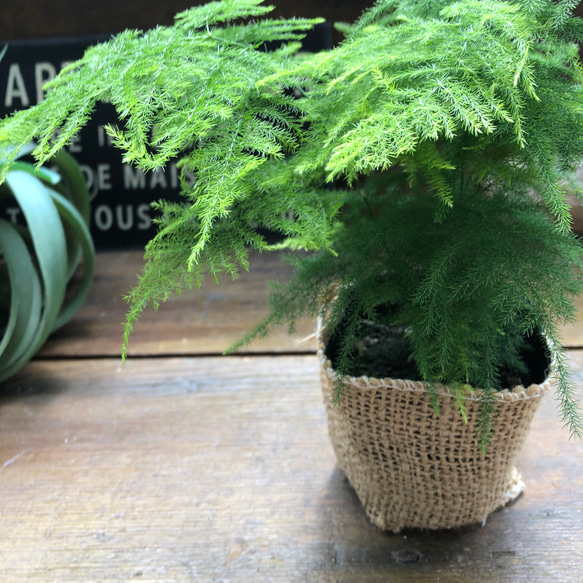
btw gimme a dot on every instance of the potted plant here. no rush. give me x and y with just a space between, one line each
417 173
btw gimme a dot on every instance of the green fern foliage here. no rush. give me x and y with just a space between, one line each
420 165
467 288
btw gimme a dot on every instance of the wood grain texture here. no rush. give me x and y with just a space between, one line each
201 321
572 334
220 469
54 18
205 321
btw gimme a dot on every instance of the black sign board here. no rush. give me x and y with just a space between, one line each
121 194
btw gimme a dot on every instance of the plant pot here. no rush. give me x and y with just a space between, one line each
412 469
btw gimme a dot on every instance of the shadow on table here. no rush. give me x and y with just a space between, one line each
359 546
36 382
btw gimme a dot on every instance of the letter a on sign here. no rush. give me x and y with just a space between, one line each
15 88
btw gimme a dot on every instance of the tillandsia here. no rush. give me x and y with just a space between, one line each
40 255
420 164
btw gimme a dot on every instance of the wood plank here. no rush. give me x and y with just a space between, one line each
52 18
572 334
204 321
216 469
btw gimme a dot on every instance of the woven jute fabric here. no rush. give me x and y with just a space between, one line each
412 469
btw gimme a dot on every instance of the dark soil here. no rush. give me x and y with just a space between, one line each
385 352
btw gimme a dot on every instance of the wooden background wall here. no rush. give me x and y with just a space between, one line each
26 19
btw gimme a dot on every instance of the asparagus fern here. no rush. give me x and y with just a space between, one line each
421 163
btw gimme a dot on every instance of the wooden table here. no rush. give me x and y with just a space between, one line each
183 465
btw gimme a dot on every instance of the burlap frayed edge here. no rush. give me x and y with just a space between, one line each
518 393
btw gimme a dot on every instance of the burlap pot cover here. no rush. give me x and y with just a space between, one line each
411 469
